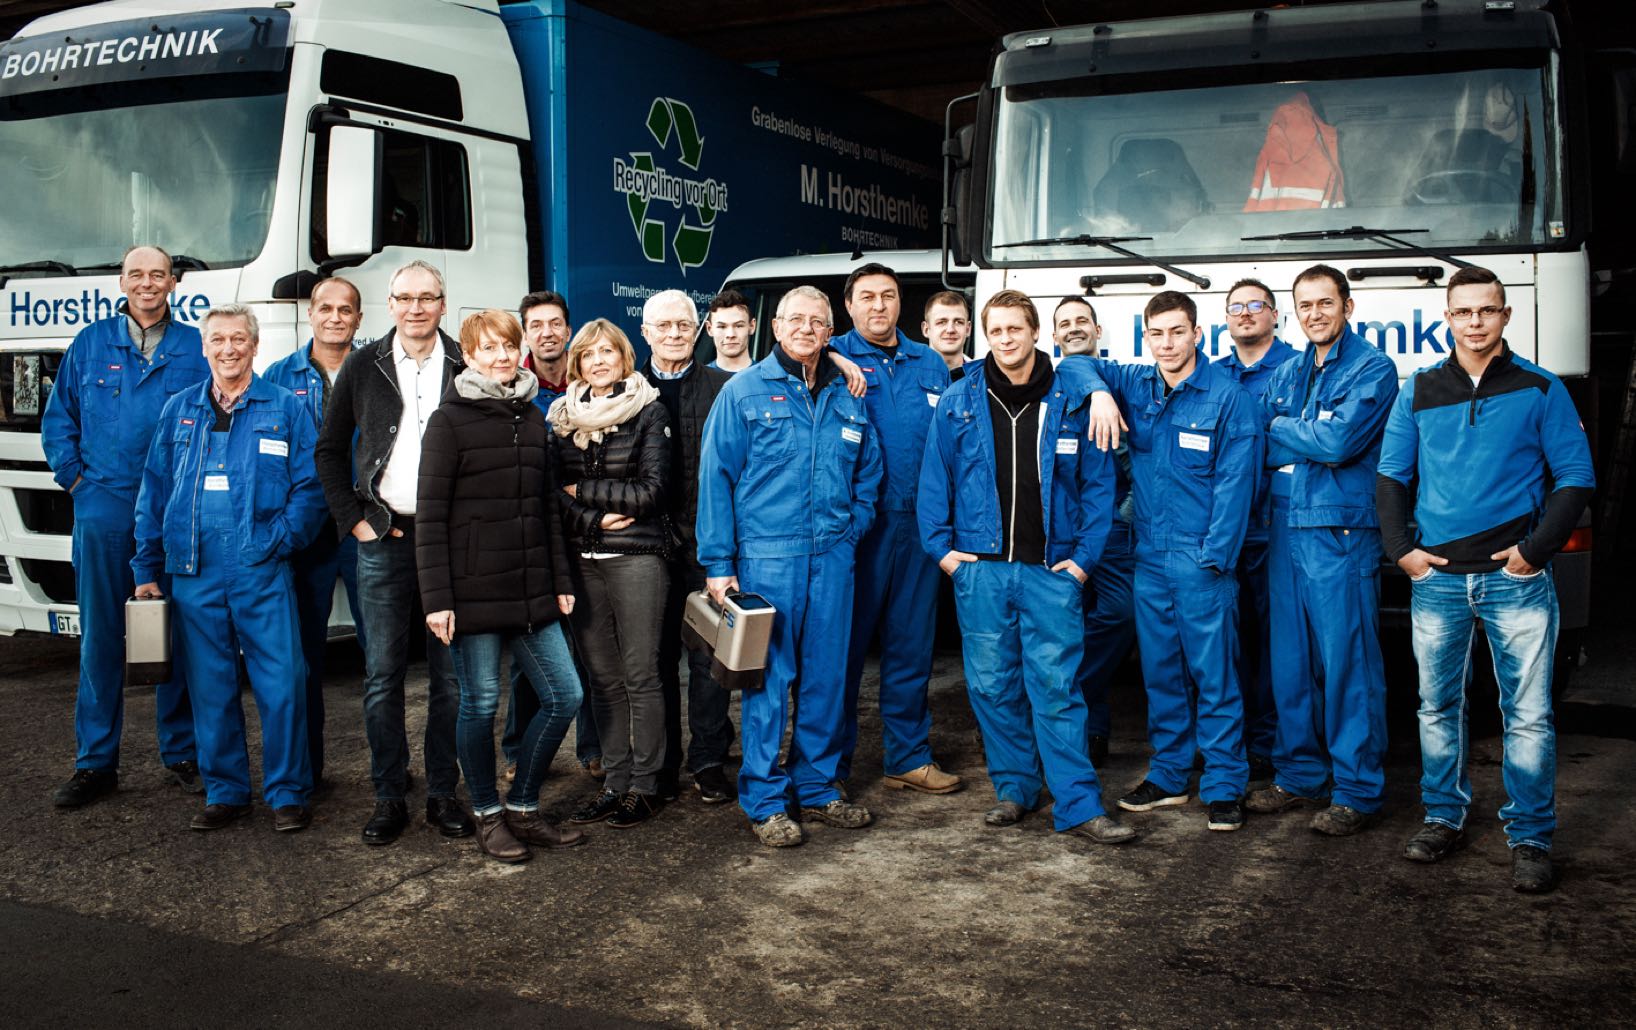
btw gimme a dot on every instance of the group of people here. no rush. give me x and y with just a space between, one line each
536 493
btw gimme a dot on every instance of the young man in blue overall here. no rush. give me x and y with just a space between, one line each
117 376
229 495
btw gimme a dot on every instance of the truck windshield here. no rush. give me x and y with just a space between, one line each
87 173
1473 157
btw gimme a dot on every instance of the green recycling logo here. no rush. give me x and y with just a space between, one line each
648 186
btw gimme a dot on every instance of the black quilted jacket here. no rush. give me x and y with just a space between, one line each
627 473
489 540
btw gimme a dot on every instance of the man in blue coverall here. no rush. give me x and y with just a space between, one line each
1496 457
1324 413
789 471
1252 322
896 593
1195 454
112 383
1015 503
1110 603
334 313
229 495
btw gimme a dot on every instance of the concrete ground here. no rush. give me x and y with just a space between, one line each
117 914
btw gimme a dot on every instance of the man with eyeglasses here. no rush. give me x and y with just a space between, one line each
789 472
1496 457
114 380
670 325
1324 413
947 327
897 582
1252 322
731 329
384 395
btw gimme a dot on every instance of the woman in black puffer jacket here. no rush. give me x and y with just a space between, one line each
612 437
495 576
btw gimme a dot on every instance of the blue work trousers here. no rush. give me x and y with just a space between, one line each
1520 617
550 674
806 670
1020 640
230 608
896 593
1110 626
1255 649
1329 680
104 543
1187 628
315 568
389 595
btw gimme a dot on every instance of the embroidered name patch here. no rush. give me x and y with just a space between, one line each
278 447
851 435
187 422
1325 416
1067 445
776 397
932 398
1193 441
215 482
1288 470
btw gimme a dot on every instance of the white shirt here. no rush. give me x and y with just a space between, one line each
421 386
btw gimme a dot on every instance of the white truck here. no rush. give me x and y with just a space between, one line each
1395 141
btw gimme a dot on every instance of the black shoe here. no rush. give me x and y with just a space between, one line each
291 818
1148 796
186 775
668 787
214 817
1099 751
634 808
1433 843
450 817
85 786
597 809
712 785
1531 870
1225 815
387 823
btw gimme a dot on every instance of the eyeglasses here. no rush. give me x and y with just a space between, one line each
816 323
409 300
1254 307
680 328
1488 312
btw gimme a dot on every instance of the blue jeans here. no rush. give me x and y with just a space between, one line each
544 657
524 703
388 595
315 568
1519 615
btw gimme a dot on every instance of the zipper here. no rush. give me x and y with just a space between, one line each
1471 417
517 454
1011 529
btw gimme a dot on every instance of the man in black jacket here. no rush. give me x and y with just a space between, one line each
384 394
670 324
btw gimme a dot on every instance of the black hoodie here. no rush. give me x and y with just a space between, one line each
1015 411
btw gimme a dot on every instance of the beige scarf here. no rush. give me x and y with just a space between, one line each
590 419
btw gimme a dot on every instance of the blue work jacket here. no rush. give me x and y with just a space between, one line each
1324 425
1253 379
107 399
783 472
296 373
1195 456
903 392
959 504
280 504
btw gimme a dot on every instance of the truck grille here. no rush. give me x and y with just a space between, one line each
45 511
26 379
54 578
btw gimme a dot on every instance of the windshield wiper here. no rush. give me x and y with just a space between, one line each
1358 232
48 265
179 263
1113 243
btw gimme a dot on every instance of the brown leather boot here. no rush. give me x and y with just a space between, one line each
496 840
531 828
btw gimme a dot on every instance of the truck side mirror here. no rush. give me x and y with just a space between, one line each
959 201
352 192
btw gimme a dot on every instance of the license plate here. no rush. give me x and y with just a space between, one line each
65 624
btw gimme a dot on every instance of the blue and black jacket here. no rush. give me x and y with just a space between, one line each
1501 462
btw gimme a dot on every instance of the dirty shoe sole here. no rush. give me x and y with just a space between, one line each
897 784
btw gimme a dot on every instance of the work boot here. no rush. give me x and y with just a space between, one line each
928 779
1006 813
1341 821
291 818
1434 843
844 814
495 838
1531 871
531 828
1104 829
1272 799
778 831
215 817
185 774
85 786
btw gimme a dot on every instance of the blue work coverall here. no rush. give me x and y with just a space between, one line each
1324 425
1196 456
96 428
223 513
316 566
788 482
1020 624
896 590
1254 629
1110 606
